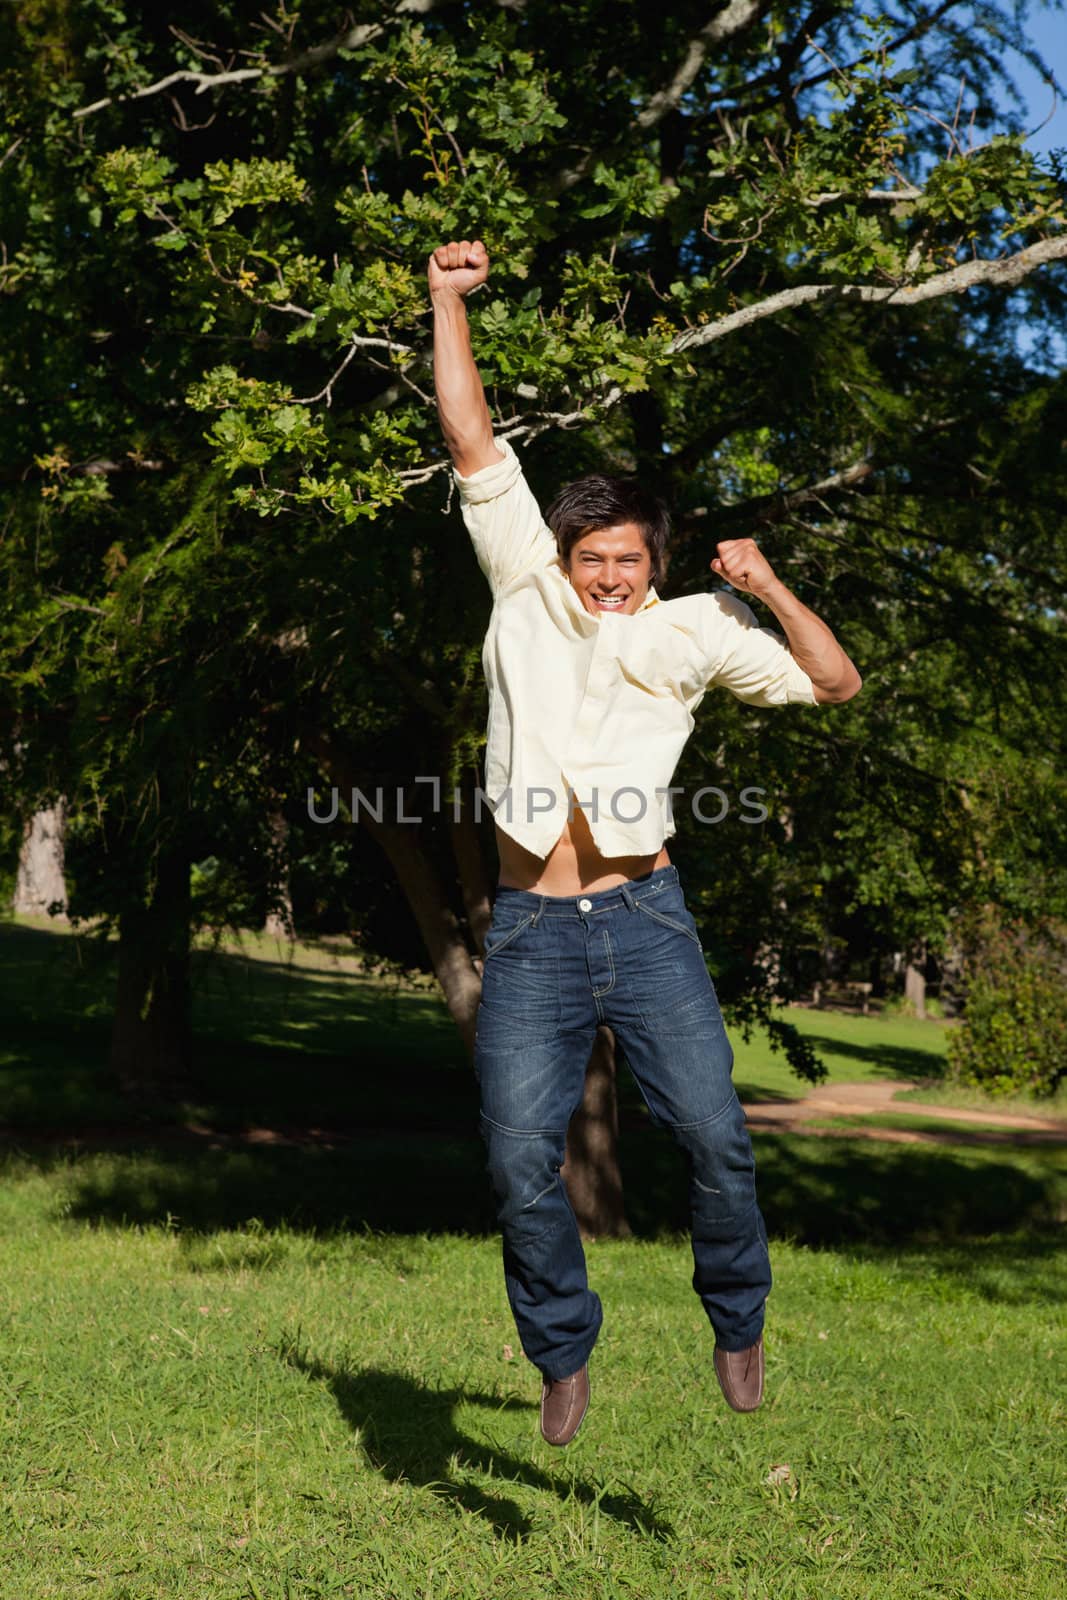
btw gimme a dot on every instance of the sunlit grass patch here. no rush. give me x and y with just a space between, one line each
267 1411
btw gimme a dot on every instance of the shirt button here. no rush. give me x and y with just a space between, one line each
585 905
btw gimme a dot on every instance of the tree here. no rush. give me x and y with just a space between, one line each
745 269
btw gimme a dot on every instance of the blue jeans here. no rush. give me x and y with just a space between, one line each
555 968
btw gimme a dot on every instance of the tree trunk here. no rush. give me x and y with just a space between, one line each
438 924
40 882
279 919
915 985
591 1170
470 862
150 1036
445 942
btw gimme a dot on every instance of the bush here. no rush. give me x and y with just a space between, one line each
1013 1035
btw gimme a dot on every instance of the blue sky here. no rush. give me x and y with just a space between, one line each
1048 31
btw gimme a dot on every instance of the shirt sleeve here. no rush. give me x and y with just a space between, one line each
754 663
507 530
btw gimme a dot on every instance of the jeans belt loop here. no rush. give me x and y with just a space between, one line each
628 897
538 912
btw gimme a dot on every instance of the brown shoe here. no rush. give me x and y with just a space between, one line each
740 1374
564 1402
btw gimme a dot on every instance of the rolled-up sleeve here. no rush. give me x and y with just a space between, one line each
504 521
754 663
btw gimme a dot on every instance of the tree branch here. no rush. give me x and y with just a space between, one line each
1005 272
791 54
905 192
731 20
773 507
356 342
530 430
102 467
306 61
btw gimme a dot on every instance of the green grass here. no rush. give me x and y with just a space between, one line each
369 1052
231 1371
274 1040
967 1099
854 1049
914 1122
270 1412
259 1006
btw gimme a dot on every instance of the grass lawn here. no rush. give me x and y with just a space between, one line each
234 1370
853 1049
274 1412
913 1122
303 1039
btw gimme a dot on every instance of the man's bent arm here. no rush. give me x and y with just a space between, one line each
812 644
455 269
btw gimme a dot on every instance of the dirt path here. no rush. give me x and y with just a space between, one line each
765 1116
879 1098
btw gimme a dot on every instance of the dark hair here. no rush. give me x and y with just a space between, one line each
597 501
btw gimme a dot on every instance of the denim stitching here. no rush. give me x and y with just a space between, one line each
598 911
524 1133
599 993
706 1121
517 929
677 927
566 908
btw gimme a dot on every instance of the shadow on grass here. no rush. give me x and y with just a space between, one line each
331 1055
944 1207
833 1191
408 1433
885 1060
270 1043
388 1183
814 1191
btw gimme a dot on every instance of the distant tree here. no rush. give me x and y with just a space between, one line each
40 884
1014 1032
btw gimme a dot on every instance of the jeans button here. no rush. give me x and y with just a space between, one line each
585 905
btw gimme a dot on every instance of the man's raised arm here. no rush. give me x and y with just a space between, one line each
503 519
453 271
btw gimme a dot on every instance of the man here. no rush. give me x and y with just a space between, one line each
592 682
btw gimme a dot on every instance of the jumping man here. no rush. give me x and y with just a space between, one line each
592 682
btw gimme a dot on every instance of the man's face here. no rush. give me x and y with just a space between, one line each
611 569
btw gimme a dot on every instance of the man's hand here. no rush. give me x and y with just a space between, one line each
739 561
457 268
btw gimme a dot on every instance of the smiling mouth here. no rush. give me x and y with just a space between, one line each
614 602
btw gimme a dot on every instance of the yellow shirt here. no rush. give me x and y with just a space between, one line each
600 704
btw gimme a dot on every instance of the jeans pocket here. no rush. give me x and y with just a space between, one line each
673 922
497 937
521 1001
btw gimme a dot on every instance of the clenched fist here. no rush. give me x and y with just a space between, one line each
458 268
743 565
